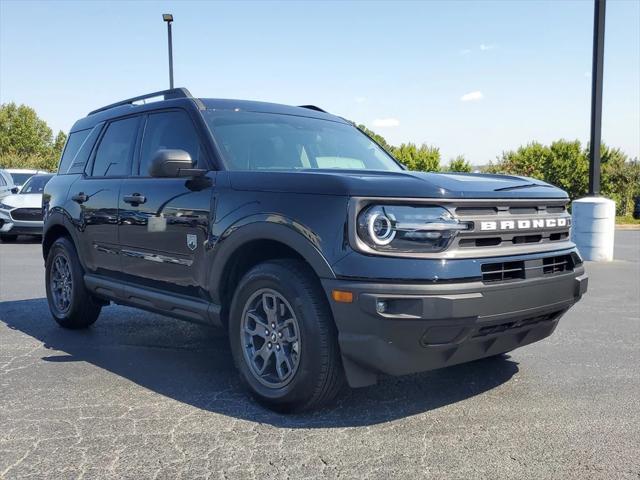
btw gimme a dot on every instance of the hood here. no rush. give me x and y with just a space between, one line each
408 184
28 200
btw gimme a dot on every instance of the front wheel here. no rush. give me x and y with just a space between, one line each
71 305
283 338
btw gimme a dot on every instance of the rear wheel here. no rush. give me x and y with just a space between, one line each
8 238
283 338
71 305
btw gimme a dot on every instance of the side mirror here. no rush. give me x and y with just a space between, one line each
15 190
172 164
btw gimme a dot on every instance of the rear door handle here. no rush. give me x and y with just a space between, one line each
135 199
80 197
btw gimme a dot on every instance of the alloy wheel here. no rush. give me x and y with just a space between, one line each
271 338
61 283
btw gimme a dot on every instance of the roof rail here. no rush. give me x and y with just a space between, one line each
166 94
313 107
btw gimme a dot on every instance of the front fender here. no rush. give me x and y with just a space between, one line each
271 227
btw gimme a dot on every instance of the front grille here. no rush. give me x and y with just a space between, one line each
500 272
524 269
27 214
496 225
552 265
524 210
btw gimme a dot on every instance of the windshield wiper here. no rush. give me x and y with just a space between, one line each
524 185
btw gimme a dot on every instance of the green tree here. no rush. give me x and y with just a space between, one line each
528 160
58 143
378 138
566 164
22 132
425 158
620 178
459 164
567 167
26 141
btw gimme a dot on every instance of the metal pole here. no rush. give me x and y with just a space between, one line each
596 96
170 56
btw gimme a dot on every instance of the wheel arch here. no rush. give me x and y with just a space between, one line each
52 233
246 246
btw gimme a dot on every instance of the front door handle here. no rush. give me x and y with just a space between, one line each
80 197
135 199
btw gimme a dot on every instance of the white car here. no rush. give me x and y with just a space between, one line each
6 184
21 213
21 175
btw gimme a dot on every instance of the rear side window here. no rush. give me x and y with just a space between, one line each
3 183
114 153
168 130
71 149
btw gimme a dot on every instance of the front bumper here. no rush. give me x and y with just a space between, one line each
10 226
429 326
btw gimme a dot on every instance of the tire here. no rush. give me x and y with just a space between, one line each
75 308
313 373
8 238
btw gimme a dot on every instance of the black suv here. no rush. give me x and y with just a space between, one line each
322 256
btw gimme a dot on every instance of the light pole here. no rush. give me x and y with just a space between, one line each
594 217
167 17
596 96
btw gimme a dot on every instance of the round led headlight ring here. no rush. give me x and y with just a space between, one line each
380 229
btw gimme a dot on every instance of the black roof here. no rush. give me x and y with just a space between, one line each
181 97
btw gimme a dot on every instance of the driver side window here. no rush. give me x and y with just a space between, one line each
168 130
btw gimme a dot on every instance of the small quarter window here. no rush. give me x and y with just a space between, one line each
79 162
71 149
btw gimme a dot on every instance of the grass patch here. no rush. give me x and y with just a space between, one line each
627 220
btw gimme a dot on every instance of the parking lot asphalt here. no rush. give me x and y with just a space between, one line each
142 396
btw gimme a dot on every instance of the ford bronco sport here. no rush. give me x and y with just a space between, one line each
322 256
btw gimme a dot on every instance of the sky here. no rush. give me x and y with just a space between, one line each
473 78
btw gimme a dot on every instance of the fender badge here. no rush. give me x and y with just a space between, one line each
192 241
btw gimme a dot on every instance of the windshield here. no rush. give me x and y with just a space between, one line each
268 141
20 178
35 184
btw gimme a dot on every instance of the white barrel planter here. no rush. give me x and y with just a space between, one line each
593 226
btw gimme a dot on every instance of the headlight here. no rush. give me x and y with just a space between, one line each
4 206
407 229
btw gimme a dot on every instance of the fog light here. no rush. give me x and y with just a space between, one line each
381 306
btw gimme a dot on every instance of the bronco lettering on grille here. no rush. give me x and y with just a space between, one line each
525 224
